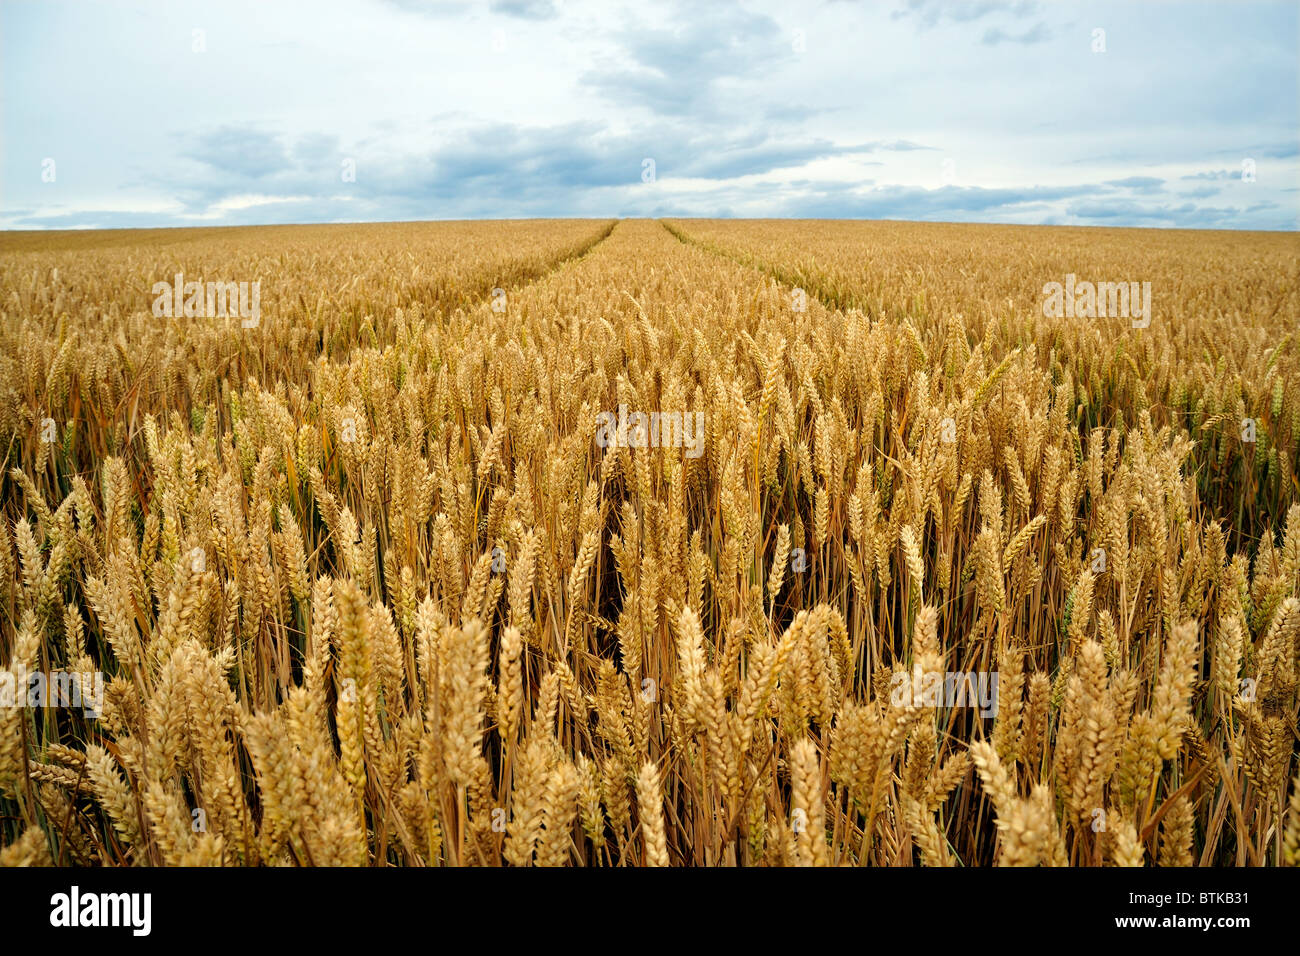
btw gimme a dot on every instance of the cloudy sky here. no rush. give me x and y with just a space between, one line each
171 112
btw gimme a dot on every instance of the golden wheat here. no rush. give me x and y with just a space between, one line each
370 583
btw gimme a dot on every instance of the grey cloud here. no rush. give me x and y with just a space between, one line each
1267 150
730 161
600 196
241 150
1038 33
1141 184
1184 216
929 13
431 8
931 203
791 112
900 145
309 149
838 200
525 9
508 166
677 71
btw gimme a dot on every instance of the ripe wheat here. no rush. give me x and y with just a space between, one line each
365 589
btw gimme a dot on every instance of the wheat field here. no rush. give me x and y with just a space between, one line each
896 569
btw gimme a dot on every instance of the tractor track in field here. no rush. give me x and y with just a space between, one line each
485 293
833 301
